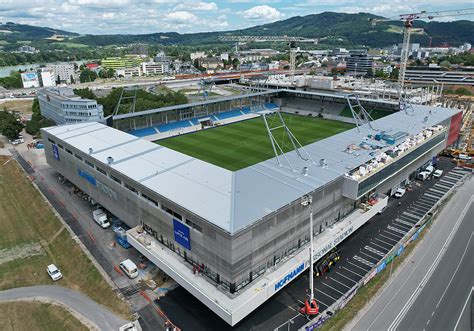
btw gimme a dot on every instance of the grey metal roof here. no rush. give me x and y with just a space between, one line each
235 200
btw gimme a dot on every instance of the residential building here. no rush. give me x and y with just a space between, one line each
63 72
30 79
224 56
210 62
27 49
197 55
47 77
62 106
358 63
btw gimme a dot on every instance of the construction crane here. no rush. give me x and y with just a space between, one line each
291 42
408 29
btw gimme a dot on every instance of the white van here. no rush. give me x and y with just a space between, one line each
101 218
129 268
423 175
429 170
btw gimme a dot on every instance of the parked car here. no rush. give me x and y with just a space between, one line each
382 210
437 173
400 193
423 175
101 218
54 272
464 157
129 268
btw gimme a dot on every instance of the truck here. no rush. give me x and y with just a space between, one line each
101 218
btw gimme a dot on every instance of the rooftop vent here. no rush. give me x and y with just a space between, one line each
323 163
425 119
91 150
305 171
110 160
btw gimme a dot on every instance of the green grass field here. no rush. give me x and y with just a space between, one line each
374 112
245 143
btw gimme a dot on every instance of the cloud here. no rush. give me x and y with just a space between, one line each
180 17
262 14
197 6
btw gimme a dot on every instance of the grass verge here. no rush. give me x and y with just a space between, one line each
37 316
27 219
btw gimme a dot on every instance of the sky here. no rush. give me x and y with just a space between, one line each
149 16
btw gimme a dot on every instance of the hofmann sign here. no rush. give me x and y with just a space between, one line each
336 241
289 277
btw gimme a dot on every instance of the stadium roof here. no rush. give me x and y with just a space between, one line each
235 200
338 95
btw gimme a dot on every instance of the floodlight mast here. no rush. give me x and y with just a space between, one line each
307 200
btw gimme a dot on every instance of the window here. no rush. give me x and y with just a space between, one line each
78 157
131 188
60 146
172 212
101 171
51 141
115 179
69 151
90 164
197 227
154 202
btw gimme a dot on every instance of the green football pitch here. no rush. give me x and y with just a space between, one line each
242 144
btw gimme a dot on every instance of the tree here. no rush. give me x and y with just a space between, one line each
10 126
369 73
394 73
334 71
87 76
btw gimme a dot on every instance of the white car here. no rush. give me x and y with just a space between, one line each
437 173
399 193
464 157
129 268
54 272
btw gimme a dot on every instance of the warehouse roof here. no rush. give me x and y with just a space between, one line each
235 200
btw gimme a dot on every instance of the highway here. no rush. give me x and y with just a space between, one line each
432 290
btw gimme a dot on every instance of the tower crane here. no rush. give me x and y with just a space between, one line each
408 29
291 42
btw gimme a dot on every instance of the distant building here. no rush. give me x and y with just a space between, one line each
154 68
63 72
358 63
92 66
129 72
121 62
27 49
30 79
197 55
47 78
210 62
224 56
256 54
62 106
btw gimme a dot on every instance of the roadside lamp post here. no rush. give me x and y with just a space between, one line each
289 323
307 200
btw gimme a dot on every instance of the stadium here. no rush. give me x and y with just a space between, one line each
213 190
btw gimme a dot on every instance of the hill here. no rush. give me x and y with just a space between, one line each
332 28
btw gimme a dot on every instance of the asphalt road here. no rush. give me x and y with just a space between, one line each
429 291
93 312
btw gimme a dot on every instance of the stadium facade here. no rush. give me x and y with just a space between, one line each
235 238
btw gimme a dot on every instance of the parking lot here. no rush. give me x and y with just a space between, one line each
359 253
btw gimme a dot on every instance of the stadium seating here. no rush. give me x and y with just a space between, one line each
270 106
174 126
228 114
143 132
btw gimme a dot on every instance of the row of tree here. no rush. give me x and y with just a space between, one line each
37 120
144 100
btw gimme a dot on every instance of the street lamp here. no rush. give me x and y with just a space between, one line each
307 200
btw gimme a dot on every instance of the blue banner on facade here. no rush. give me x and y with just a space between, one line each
56 152
381 267
181 234
87 176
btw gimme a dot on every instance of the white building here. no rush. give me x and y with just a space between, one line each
62 106
63 72
129 72
30 79
154 68
224 56
47 78
197 55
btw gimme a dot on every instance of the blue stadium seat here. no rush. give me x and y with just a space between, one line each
174 126
143 132
228 114
270 105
